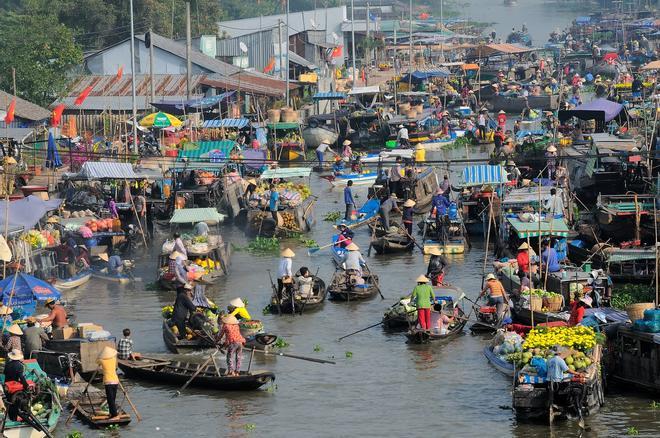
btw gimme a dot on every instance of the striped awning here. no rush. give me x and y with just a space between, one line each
556 227
329 95
484 174
211 151
226 123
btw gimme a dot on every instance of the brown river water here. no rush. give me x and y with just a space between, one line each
386 387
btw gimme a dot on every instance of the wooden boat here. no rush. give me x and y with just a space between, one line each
46 419
367 214
515 104
344 288
176 373
103 274
487 321
182 346
92 410
498 363
531 395
299 304
314 135
392 243
453 245
77 280
400 315
359 179
419 336
637 366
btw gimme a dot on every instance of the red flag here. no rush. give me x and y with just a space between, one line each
81 98
120 72
10 111
364 75
270 66
56 115
337 52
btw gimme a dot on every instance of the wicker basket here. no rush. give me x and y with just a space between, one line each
636 311
289 115
553 303
274 115
535 303
411 114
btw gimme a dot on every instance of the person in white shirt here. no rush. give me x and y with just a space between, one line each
201 229
353 259
555 205
481 122
304 282
402 137
321 150
284 275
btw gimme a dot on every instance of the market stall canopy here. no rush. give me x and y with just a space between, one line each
329 95
27 291
653 65
26 212
556 227
356 91
194 215
105 170
501 49
193 105
160 120
226 123
600 110
290 172
212 151
528 196
483 174
424 75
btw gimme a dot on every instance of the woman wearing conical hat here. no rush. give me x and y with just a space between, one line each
284 271
107 360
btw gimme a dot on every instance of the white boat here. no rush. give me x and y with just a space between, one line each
79 279
439 143
388 155
359 179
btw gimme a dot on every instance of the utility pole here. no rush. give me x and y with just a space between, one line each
367 49
287 53
133 99
188 53
279 50
151 68
353 37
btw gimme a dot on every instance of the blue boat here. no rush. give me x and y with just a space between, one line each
366 214
499 363
79 279
357 178
337 251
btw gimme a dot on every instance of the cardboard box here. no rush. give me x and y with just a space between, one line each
85 329
64 333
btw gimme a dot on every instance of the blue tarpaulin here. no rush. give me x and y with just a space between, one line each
421 76
483 174
26 212
52 156
27 291
226 123
329 95
191 106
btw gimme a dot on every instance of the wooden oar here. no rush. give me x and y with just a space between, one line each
75 403
375 280
130 402
371 326
277 296
295 356
411 238
200 368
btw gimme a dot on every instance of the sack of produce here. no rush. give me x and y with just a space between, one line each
652 315
168 246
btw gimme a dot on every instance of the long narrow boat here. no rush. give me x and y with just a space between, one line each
300 304
77 280
418 336
94 412
359 179
343 289
181 346
103 274
400 315
365 215
175 372
498 363
392 243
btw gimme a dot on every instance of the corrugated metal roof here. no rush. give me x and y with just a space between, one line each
226 123
250 83
106 170
329 95
194 215
289 172
24 109
557 227
297 59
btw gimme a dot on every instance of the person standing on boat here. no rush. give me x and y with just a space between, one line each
524 253
231 338
407 215
386 208
555 204
107 360
284 272
423 298
273 201
57 315
14 368
501 120
395 177
496 294
550 258
436 268
348 200
439 206
179 246
34 336
472 101
445 186
353 260
347 153
183 306
238 309
551 160
201 229
402 137
321 150
481 124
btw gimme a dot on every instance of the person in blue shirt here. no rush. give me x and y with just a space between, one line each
594 321
557 367
550 258
440 204
348 200
274 198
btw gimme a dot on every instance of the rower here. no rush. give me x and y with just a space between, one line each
57 314
423 298
238 309
496 294
436 268
183 306
407 215
353 260
385 208
345 236
284 274
114 263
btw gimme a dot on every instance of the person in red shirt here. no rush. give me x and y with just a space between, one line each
230 336
524 252
501 119
577 310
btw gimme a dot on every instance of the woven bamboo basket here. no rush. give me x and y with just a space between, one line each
535 303
636 311
553 303
274 115
403 107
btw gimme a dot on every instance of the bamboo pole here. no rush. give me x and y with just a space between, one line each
490 221
655 228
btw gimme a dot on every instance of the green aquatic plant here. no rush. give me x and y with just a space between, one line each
655 405
332 216
281 343
318 348
250 426
74 434
264 244
632 430
349 354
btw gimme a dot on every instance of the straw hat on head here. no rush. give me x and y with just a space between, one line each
5 310
287 253
108 353
551 148
422 279
10 160
435 252
252 181
14 329
53 220
400 126
32 320
346 142
409 203
17 355
352 247
50 301
104 256
586 300
188 286
393 195
501 112
229 319
491 277
237 302
523 246
175 255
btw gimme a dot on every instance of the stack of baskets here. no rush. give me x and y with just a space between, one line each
289 115
636 311
553 303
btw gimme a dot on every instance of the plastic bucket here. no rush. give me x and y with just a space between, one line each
390 144
587 267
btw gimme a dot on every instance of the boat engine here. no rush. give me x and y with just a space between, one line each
19 400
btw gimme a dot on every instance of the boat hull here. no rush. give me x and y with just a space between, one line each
497 363
73 282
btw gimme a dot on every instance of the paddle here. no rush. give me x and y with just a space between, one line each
411 238
311 251
200 368
371 326
295 356
375 280
277 296
130 402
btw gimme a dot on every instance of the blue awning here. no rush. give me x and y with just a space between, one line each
226 123
329 95
187 106
483 174
425 75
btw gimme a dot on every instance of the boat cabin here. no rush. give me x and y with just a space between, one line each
635 359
